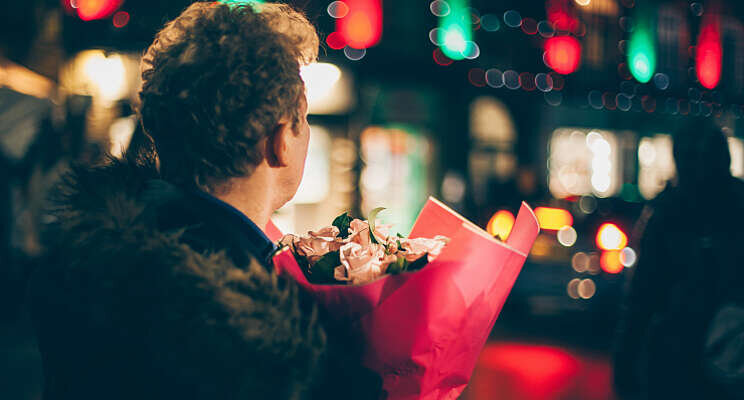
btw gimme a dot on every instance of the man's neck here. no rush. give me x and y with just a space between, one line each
253 196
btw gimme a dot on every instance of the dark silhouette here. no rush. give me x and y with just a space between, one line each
689 265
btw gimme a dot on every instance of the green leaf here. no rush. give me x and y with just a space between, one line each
400 246
342 222
400 236
418 264
322 270
371 220
398 266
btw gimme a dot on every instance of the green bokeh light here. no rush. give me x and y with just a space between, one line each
240 2
642 48
456 30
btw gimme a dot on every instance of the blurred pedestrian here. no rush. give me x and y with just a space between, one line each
689 266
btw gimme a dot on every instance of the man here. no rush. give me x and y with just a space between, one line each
159 284
689 266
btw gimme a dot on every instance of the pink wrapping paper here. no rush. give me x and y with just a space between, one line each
423 330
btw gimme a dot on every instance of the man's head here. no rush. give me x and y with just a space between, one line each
701 154
222 94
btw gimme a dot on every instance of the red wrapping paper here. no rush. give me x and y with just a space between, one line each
423 330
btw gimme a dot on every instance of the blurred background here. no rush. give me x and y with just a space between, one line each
566 104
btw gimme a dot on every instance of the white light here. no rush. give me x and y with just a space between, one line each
646 152
319 78
455 40
591 137
628 257
106 75
120 134
601 166
316 178
328 89
583 2
601 182
567 236
601 147
736 148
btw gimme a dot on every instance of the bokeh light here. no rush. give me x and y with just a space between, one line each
543 82
642 47
587 288
580 262
362 26
89 10
338 9
490 22
477 77
354 54
628 257
567 236
610 237
708 52
501 224
610 262
553 219
335 41
513 19
546 29
511 79
440 8
120 19
563 54
441 59
494 78
572 289
456 32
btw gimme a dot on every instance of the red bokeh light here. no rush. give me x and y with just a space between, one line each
89 10
121 19
362 26
441 59
560 14
477 77
335 41
563 54
708 52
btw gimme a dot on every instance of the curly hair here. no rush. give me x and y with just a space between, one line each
216 82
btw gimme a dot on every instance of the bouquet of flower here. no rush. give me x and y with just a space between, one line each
357 252
421 328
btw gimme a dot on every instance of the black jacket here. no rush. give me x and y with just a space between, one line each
145 295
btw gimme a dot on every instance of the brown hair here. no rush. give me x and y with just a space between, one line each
216 82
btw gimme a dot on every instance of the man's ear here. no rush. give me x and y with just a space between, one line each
277 145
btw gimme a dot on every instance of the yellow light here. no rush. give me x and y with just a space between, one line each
553 219
611 262
501 224
610 237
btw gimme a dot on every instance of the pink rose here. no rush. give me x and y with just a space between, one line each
416 248
318 243
359 232
360 264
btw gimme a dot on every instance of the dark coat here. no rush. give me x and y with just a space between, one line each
144 297
689 265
